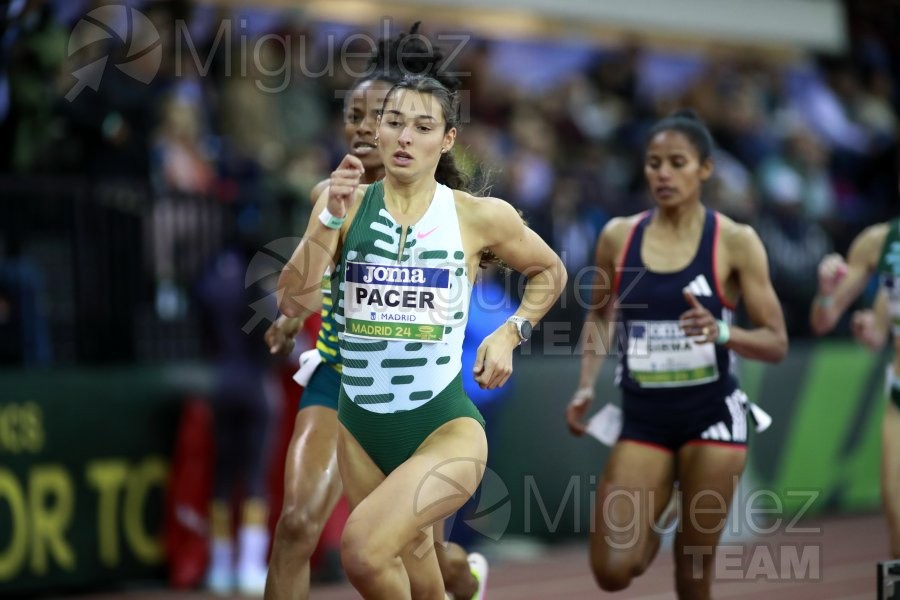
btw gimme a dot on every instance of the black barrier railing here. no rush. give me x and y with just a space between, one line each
102 272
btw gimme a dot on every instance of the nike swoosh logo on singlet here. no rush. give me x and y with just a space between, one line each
420 236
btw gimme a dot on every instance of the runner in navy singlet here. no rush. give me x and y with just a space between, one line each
675 273
662 361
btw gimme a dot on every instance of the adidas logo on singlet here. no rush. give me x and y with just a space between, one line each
699 286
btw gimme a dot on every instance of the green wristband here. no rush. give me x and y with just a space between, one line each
824 301
329 220
724 333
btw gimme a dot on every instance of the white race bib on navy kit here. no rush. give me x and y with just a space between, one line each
660 355
390 302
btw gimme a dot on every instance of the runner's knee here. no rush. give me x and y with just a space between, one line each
300 527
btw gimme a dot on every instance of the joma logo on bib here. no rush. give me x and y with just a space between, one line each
392 275
397 276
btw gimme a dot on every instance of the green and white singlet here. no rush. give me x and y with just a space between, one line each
889 279
401 313
889 272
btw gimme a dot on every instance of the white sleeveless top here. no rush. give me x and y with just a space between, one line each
401 316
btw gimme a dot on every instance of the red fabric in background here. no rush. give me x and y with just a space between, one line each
189 488
191 472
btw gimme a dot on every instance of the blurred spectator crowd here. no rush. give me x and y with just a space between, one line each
202 130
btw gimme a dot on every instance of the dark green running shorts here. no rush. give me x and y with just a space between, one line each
390 439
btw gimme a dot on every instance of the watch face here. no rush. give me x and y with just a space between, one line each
525 330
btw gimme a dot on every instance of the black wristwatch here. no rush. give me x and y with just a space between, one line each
523 326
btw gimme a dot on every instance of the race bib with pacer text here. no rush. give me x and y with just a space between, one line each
396 302
660 355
